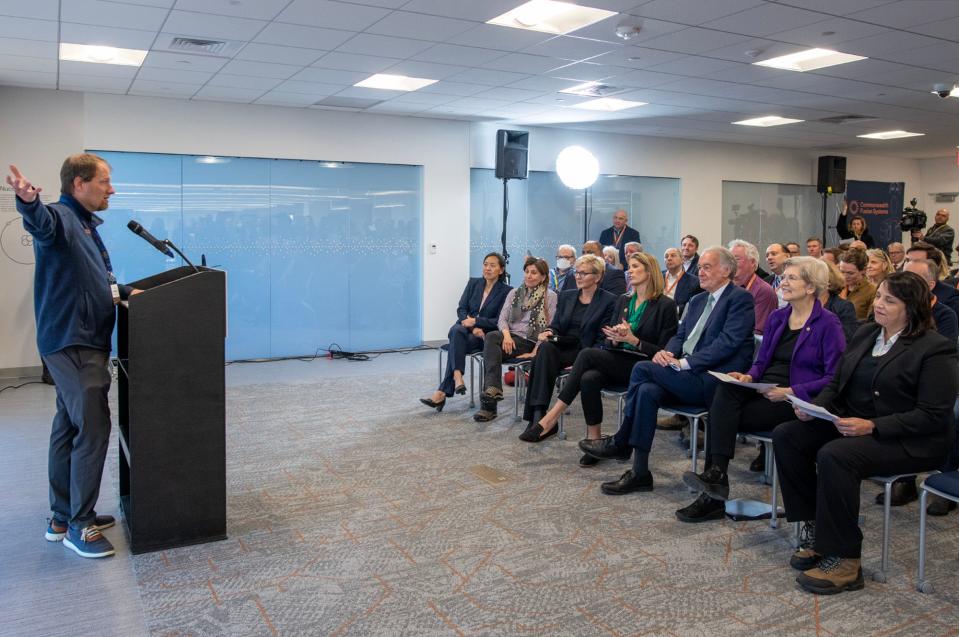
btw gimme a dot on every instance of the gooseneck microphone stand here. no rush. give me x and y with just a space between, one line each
173 247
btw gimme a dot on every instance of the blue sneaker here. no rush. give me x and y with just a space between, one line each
56 529
88 542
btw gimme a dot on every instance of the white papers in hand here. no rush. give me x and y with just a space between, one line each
726 378
813 410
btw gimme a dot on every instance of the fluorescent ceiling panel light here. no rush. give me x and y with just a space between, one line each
891 134
101 54
608 104
550 16
769 120
809 60
395 82
581 89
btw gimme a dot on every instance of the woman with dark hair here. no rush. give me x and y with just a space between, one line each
527 312
892 398
854 228
646 321
580 316
478 310
858 289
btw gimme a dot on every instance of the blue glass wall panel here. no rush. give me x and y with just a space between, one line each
304 245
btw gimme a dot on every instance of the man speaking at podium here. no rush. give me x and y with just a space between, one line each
75 294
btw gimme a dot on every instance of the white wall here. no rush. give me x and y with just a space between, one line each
39 128
938 175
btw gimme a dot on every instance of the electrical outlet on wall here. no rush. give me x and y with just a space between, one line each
432 248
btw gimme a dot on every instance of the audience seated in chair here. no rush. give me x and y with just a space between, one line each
580 316
894 393
944 293
527 311
764 297
562 274
858 290
678 284
643 322
477 313
689 246
614 280
716 334
878 265
776 255
799 354
611 257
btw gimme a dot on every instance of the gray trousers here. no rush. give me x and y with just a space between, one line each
493 356
80 434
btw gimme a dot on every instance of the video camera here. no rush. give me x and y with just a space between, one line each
912 218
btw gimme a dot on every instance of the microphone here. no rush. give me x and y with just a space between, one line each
149 238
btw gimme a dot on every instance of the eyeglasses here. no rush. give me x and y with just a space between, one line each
564 256
582 273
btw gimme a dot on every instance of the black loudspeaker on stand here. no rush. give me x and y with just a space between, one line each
512 160
832 174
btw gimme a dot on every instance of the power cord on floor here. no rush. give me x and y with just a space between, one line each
335 352
29 382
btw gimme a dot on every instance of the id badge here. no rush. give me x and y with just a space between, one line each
115 290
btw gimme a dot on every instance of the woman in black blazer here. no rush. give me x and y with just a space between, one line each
854 228
842 308
893 394
646 321
580 316
477 314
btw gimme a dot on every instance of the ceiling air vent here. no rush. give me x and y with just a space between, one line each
946 197
347 102
197 45
846 119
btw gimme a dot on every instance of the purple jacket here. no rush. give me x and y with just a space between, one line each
816 356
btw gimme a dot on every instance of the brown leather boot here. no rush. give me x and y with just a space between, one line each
805 556
833 575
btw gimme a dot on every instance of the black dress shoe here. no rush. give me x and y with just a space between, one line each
938 506
484 415
429 402
903 492
536 434
588 461
703 509
711 482
605 448
628 483
460 389
758 465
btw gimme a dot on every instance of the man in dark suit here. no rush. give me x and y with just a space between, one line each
690 251
614 280
717 334
679 285
619 234
921 251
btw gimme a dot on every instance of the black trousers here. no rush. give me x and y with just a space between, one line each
493 356
80 433
462 343
594 370
550 360
739 409
831 497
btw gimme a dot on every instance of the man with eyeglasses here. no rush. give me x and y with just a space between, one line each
897 254
561 277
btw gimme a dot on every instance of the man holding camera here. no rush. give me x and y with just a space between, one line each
940 234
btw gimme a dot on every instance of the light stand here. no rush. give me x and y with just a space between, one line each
578 168
503 236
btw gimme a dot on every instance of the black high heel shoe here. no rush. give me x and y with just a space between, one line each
460 389
429 402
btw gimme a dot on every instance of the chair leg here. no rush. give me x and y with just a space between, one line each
439 370
694 442
880 575
774 520
472 381
922 585
518 378
562 417
796 535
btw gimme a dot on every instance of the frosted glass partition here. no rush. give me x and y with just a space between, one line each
304 243
768 213
544 213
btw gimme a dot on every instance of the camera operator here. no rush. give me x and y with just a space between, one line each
941 234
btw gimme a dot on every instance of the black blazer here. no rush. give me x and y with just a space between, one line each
686 288
658 324
846 312
947 323
486 317
599 312
614 281
629 234
914 389
948 295
842 229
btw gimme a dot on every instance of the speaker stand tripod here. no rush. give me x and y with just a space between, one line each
505 216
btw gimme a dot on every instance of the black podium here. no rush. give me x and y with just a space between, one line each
170 346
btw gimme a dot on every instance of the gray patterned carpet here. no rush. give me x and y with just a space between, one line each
353 511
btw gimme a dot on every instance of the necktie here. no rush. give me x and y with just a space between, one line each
690 345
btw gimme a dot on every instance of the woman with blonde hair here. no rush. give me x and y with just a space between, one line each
643 322
878 266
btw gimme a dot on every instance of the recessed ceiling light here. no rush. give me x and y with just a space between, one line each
769 120
395 82
608 104
101 54
810 60
581 89
891 134
549 16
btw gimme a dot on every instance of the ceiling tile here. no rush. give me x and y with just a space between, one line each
369 93
162 89
491 36
426 70
24 63
946 29
352 62
695 66
419 97
417 25
28 29
392 107
28 78
585 71
460 55
260 69
490 78
173 75
765 19
509 94
885 45
369 44
523 63
316 89
244 81
386 4
462 9
902 15
224 94
163 60
841 30
637 57
606 29
305 37
692 12
37 9
454 88
642 78
753 49
105 36
258 10
29 48
696 40
540 83
329 76
205 25
331 15
571 48
835 7
258 52
98 70
279 98
97 83
112 14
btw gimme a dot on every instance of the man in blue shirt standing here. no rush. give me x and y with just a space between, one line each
75 294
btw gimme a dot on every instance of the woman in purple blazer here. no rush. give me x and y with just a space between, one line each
800 352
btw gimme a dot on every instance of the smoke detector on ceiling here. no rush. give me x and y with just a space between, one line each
628 30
